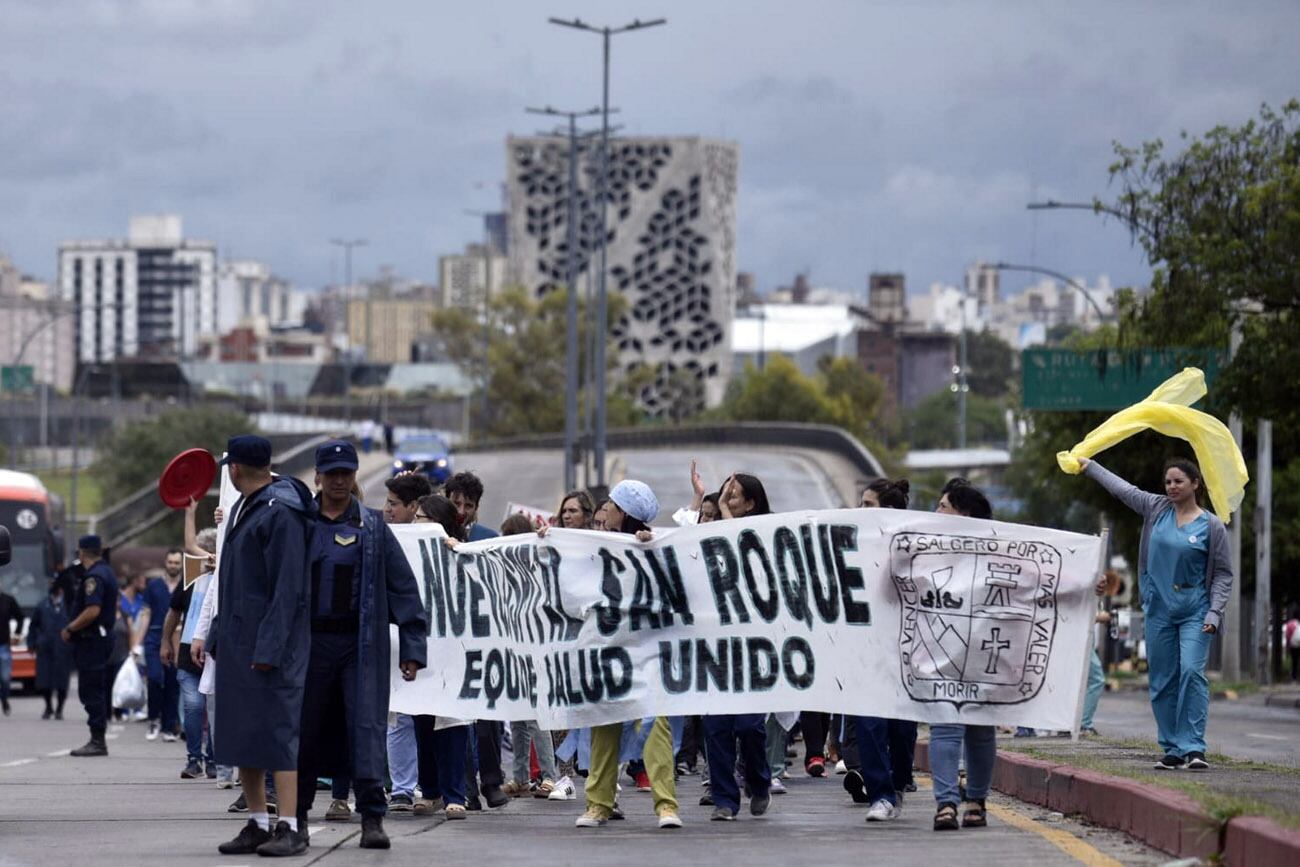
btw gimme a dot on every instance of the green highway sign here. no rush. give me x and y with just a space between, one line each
1070 379
16 377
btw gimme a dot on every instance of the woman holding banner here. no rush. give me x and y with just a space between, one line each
1186 577
961 498
630 509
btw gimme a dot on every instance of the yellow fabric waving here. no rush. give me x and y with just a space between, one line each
1168 410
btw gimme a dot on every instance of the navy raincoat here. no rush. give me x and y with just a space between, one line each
264 618
388 595
53 656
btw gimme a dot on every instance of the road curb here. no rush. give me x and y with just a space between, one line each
1162 818
1282 701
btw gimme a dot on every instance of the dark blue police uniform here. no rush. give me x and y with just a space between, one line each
93 644
360 583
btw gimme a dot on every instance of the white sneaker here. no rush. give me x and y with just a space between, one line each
777 787
154 730
563 791
593 818
840 768
169 737
883 811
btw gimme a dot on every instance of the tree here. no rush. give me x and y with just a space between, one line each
991 364
932 424
137 454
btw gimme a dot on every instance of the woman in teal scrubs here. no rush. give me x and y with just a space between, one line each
1186 576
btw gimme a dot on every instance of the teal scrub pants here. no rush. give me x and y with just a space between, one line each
1176 654
1096 684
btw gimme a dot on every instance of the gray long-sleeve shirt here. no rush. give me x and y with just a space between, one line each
1218 567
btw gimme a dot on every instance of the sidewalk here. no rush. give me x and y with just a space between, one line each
1239 812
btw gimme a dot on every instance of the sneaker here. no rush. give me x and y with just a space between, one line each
777 788
192 771
883 811
1170 762
909 788
593 818
1089 732
723 814
283 843
840 768
856 787
246 843
563 791
372 833
225 779
816 767
643 782
473 804
93 747
272 808
170 737
515 789
401 803
154 731
706 800
239 806
338 811
668 818
210 770
758 806
1197 762
686 770
1023 732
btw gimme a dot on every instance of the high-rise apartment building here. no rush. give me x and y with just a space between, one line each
463 277
150 296
671 248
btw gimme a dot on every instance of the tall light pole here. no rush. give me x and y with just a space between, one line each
348 246
602 312
487 307
571 295
1056 275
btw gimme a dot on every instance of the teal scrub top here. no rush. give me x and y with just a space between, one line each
1177 556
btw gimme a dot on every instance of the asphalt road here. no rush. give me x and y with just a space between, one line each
132 808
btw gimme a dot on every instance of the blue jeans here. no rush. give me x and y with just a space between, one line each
1096 684
6 670
450 749
403 760
164 693
197 747
720 736
945 756
523 735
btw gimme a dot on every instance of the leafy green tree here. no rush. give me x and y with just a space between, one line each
991 364
932 424
136 454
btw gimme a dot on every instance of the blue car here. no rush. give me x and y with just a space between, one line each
423 454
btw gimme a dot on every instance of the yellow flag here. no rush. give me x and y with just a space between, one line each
1168 410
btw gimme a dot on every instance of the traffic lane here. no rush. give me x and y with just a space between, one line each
1240 729
25 737
793 481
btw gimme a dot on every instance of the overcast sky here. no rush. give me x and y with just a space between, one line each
874 135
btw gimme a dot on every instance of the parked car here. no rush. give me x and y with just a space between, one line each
423 454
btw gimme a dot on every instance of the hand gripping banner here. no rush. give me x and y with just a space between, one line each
882 612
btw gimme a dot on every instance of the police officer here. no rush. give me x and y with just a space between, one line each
90 632
360 583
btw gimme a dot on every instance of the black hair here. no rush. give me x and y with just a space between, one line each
440 510
752 489
516 524
954 482
970 501
171 551
466 484
891 494
409 487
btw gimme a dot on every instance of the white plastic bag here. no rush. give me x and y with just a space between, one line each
129 690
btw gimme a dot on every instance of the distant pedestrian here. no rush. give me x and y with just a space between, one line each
177 644
94 608
10 611
53 657
366 432
1291 639
164 692
1185 572
262 640
388 437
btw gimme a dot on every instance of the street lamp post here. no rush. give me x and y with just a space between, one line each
602 312
347 246
487 308
17 362
1056 275
571 293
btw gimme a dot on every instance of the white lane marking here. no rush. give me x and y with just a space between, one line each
1267 737
18 763
316 829
59 753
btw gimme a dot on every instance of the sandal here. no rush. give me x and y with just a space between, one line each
975 815
945 818
544 790
455 811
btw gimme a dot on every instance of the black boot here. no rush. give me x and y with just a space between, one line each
283 842
495 796
250 837
372 833
94 747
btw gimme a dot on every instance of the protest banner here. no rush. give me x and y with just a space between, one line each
881 612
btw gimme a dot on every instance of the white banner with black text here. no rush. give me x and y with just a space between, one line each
881 612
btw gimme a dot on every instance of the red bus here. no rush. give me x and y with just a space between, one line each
32 516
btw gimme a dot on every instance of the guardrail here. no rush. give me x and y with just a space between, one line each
777 434
143 509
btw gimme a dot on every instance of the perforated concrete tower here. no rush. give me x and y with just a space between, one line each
671 250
